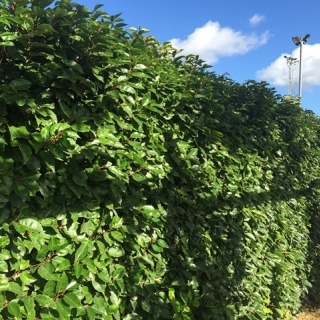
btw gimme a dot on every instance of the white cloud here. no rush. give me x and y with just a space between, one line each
212 41
277 72
256 19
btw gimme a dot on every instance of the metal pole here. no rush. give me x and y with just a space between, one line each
300 71
298 41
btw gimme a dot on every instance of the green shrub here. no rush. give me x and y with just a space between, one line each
136 185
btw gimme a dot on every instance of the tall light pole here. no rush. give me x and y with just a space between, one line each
300 42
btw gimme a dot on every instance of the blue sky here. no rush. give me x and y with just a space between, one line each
246 39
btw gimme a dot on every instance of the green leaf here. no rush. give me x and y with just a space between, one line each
119 272
4 286
115 171
267 310
105 277
26 152
21 191
146 306
157 248
14 308
99 175
30 180
137 135
63 310
27 278
44 29
21 132
64 249
82 251
80 127
139 75
127 88
111 309
49 159
2 141
149 211
16 288
139 66
171 293
45 301
72 300
66 110
63 265
62 283
7 44
74 65
50 288
32 225
122 78
3 266
120 25
91 314
99 309
116 223
20 84
80 178
116 235
115 252
46 270
97 6
34 164
98 286
143 239
71 284
76 189
4 241
148 260
139 178
53 244
78 268
251 236
114 298
162 243
184 297
195 302
29 305
146 99
183 145
114 94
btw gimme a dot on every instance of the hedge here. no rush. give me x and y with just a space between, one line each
137 185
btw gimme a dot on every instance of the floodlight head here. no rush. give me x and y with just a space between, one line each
296 40
290 58
305 39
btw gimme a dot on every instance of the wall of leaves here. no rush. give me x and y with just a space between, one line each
134 184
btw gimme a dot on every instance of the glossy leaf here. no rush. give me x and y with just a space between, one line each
72 300
82 251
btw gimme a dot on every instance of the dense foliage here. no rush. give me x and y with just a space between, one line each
136 185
